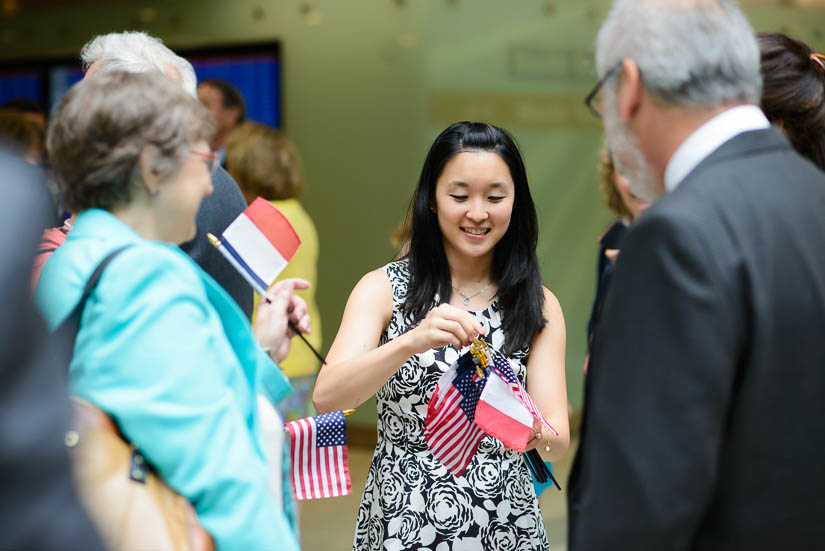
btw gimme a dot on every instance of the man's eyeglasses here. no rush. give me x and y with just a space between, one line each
593 101
211 160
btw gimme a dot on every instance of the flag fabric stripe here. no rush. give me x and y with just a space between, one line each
306 428
274 226
503 368
243 268
294 440
323 470
346 488
254 250
313 465
503 415
319 456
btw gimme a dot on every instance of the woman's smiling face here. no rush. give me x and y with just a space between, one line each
473 202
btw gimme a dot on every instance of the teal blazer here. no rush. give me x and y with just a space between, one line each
171 357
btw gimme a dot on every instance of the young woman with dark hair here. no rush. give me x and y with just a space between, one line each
793 92
471 270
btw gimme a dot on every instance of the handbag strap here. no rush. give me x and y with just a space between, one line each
86 413
71 325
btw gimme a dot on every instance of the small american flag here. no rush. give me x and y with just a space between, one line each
505 371
319 456
450 429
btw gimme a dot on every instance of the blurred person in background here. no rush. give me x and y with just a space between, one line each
38 506
30 109
227 106
627 207
793 92
161 347
22 137
137 52
266 164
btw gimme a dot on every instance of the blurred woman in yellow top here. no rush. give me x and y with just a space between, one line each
265 163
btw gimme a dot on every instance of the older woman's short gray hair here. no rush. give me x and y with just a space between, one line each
699 53
103 125
137 52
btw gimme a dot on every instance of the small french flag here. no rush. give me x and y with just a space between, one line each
260 242
502 415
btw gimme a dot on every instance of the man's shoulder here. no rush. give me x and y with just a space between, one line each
226 190
216 212
751 162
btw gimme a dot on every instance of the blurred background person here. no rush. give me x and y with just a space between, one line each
21 136
793 92
137 52
30 109
227 106
161 347
627 207
266 164
38 506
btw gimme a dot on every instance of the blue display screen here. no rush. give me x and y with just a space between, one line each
254 70
258 79
23 84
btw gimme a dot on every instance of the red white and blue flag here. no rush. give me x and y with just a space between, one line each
318 448
502 415
505 411
450 429
260 242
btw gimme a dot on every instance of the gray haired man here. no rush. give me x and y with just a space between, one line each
704 421
137 52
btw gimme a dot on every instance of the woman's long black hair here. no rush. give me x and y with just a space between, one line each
515 265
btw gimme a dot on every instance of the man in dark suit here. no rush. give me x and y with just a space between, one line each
38 507
137 52
704 421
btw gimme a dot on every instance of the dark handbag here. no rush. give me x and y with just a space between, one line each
129 503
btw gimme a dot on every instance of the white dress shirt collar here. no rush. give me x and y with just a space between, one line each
709 137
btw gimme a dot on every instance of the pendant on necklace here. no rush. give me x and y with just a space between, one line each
467 301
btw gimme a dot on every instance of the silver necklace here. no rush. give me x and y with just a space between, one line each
467 298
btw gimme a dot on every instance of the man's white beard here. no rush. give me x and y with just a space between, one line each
628 156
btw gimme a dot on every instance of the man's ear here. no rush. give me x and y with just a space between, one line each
630 91
148 173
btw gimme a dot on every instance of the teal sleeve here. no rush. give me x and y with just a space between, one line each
153 353
274 383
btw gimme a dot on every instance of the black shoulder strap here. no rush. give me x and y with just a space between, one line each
72 322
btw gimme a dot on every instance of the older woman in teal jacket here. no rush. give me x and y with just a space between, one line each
161 347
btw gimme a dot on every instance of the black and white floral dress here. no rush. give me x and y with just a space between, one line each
411 501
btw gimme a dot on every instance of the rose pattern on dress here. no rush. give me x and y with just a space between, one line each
411 501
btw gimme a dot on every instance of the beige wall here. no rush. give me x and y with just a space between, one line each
367 89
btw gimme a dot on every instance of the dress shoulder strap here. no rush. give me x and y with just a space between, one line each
399 273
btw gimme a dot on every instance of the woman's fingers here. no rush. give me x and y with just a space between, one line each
287 285
469 324
297 309
456 329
